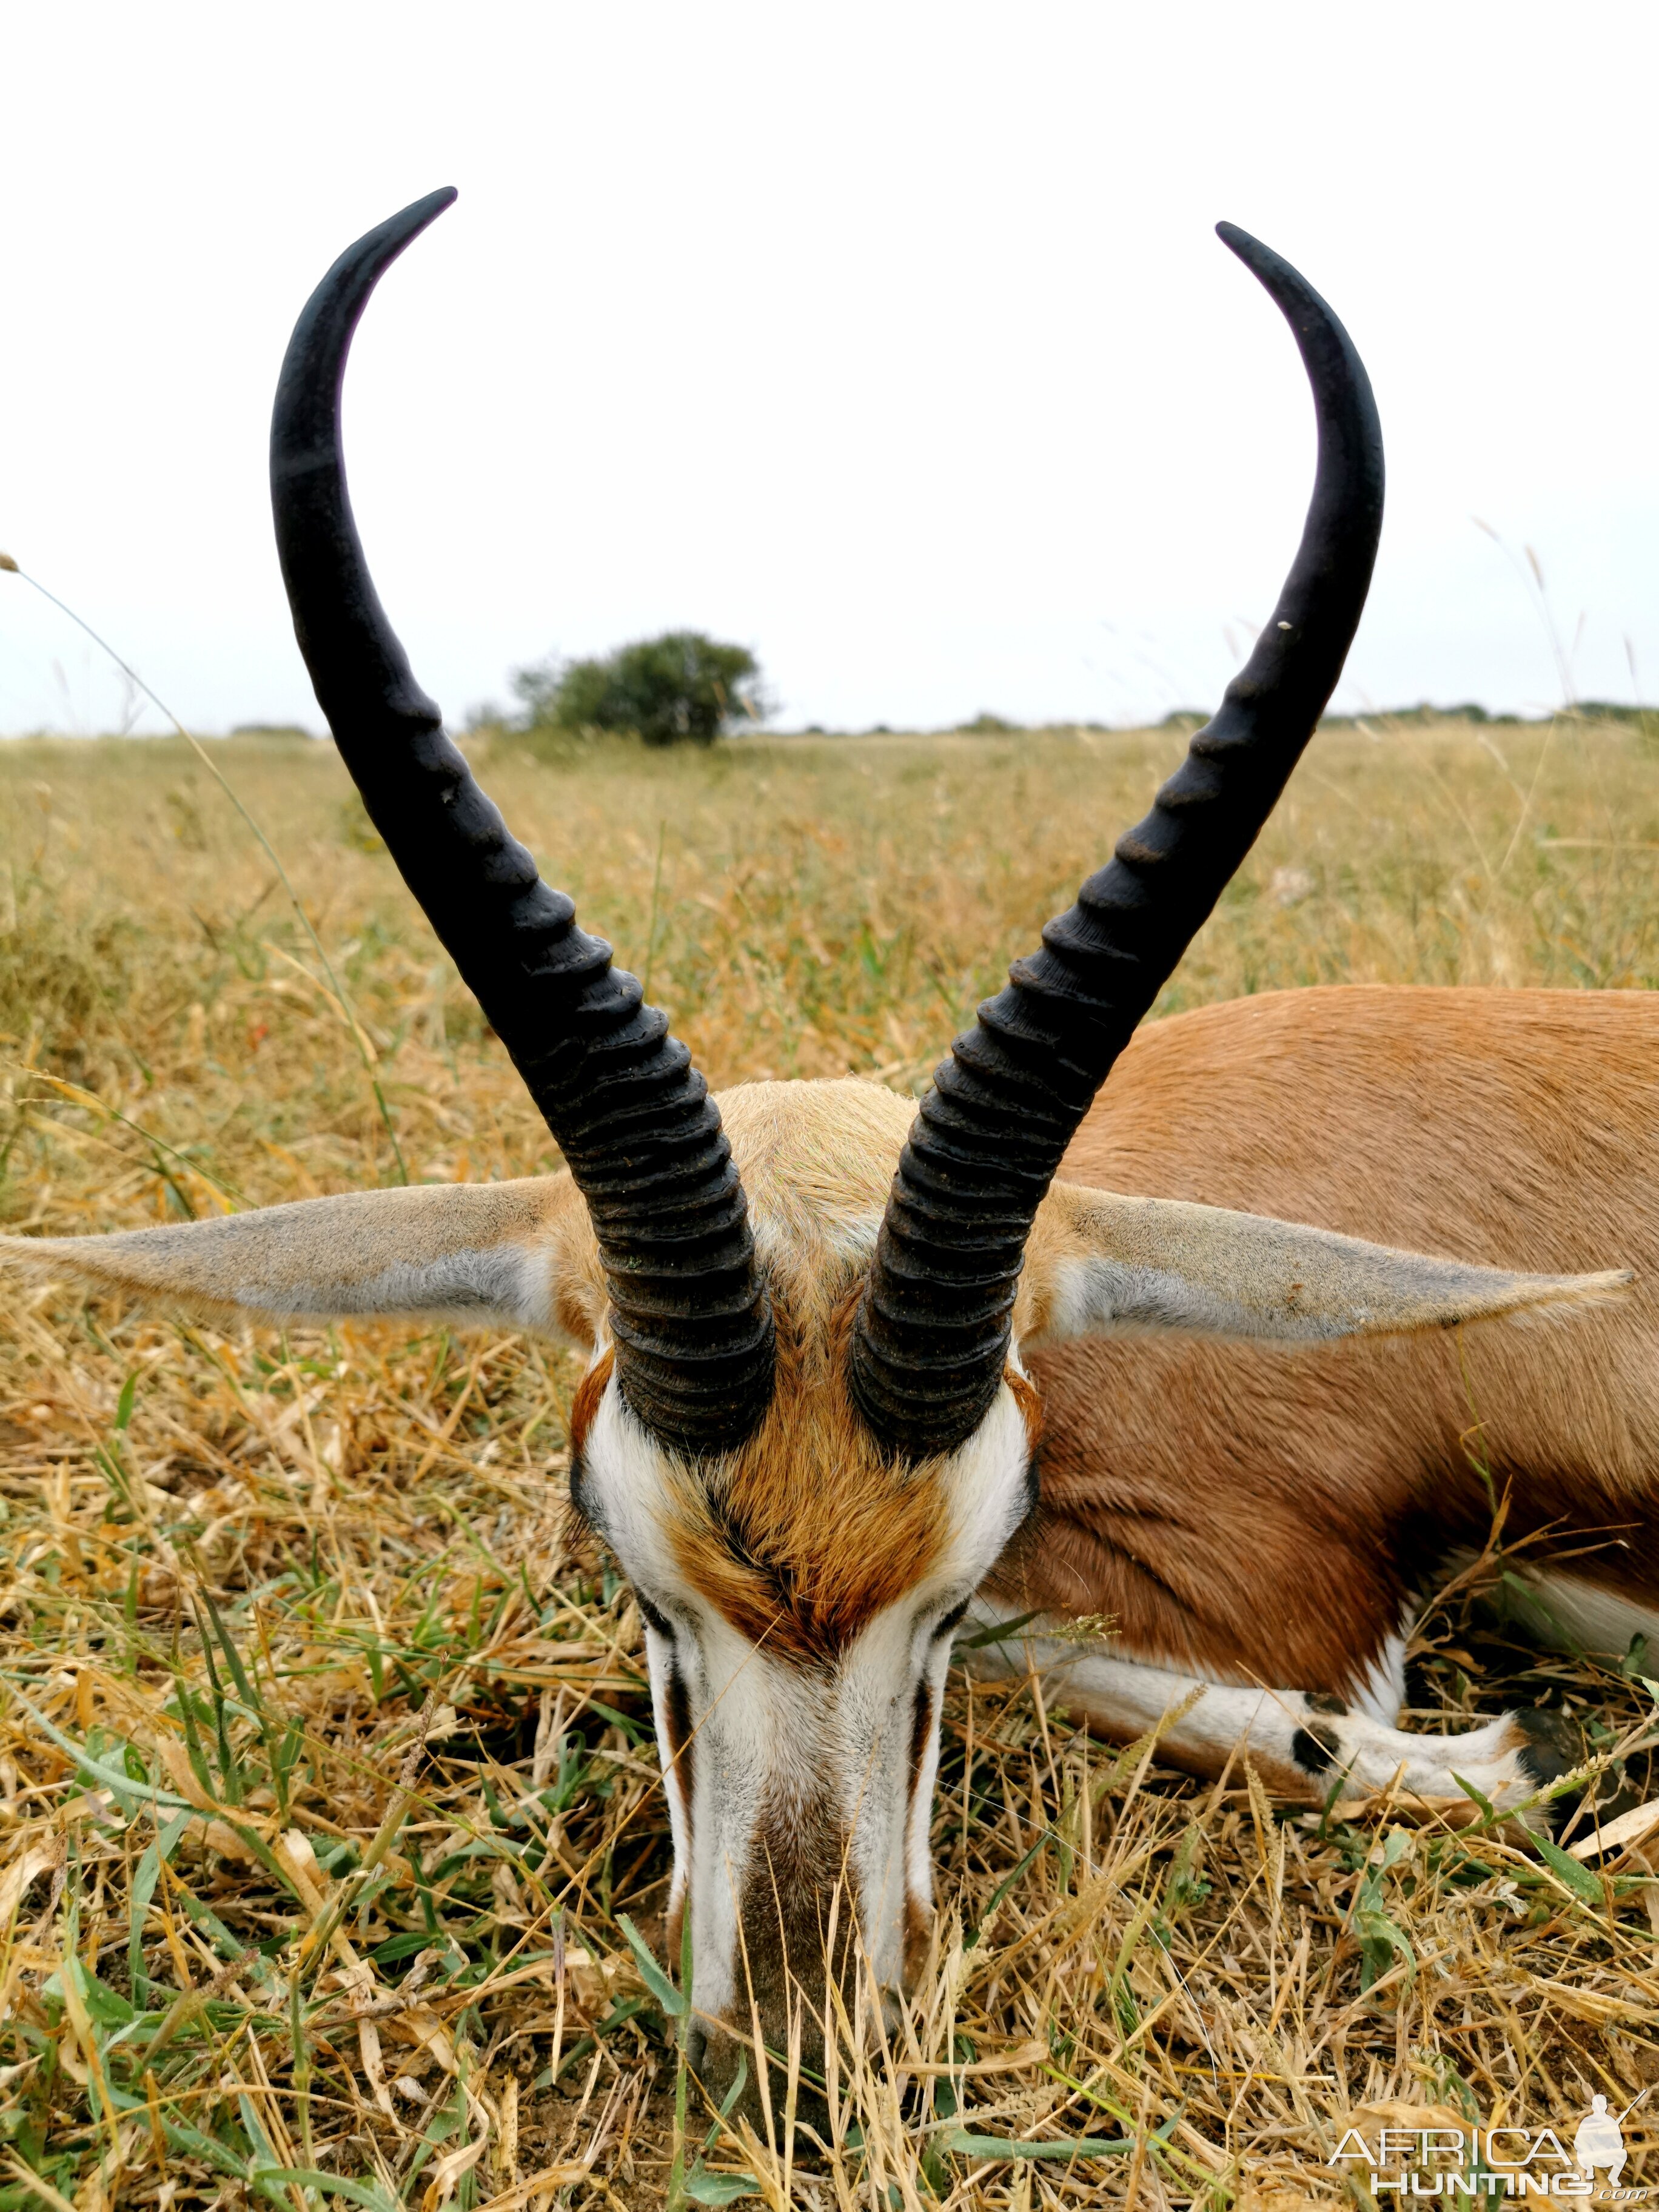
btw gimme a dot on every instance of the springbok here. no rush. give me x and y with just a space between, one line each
831 1337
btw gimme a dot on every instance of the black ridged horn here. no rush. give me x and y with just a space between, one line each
632 1116
932 1331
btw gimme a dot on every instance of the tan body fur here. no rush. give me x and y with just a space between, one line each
1265 1508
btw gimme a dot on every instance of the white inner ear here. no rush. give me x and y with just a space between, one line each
1164 1265
1105 1298
504 1282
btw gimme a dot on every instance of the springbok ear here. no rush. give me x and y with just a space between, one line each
514 1254
1104 1265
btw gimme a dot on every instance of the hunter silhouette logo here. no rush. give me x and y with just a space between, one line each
1599 2141
1491 2162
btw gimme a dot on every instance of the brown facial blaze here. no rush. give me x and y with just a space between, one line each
812 1529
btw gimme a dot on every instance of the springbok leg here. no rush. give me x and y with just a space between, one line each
1306 1746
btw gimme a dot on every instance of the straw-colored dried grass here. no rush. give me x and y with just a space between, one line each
374 1516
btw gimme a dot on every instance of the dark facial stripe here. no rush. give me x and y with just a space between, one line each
952 1620
653 1617
581 1506
916 1915
1033 1492
921 1727
676 1709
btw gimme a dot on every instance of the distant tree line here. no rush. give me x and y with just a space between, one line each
687 688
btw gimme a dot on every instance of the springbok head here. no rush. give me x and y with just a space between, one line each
804 1430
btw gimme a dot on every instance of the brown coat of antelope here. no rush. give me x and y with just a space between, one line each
1187 1353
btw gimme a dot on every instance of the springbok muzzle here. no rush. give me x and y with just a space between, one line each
801 1805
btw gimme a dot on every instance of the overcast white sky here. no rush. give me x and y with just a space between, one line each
891 339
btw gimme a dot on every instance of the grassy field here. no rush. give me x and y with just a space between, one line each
248 1925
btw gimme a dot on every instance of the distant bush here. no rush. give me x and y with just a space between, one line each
680 687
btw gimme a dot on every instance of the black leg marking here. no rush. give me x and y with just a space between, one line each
1550 1749
1321 1701
1315 1750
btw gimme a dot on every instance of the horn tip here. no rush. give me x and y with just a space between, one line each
1249 249
427 209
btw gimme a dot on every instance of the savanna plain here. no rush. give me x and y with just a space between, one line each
332 1847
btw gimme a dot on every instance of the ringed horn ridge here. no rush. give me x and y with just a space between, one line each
932 1331
632 1116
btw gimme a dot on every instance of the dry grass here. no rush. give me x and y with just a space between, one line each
247 1577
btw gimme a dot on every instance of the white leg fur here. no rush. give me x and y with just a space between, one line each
1306 1749
1573 1614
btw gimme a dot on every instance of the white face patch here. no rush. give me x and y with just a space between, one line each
788 1764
